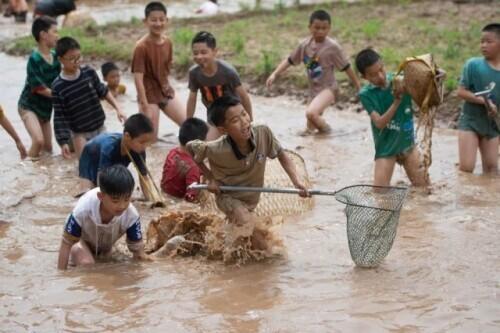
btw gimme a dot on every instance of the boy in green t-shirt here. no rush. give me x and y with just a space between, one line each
391 117
35 103
477 127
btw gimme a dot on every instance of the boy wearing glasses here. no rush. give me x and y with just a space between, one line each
76 94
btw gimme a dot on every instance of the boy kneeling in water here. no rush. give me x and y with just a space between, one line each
100 218
238 158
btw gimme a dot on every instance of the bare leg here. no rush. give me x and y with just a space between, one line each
489 155
153 113
47 136
35 130
316 109
468 143
79 142
175 110
384 167
413 169
81 255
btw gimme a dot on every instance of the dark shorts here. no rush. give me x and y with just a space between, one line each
54 8
481 124
89 160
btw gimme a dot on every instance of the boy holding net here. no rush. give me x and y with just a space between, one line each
238 158
391 115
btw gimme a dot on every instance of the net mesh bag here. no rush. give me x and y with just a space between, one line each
372 218
423 80
271 204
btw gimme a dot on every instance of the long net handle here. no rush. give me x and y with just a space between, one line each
155 193
196 186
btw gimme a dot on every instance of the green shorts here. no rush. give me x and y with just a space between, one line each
481 124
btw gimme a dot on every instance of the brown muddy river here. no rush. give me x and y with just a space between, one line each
442 274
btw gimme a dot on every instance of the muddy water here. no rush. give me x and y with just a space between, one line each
442 275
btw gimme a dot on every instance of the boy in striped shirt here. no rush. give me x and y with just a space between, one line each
76 94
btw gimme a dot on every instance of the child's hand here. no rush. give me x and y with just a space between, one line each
65 151
143 256
122 117
213 186
304 193
169 92
22 150
270 81
492 108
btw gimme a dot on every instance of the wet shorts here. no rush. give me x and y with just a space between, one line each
90 135
23 113
402 156
481 124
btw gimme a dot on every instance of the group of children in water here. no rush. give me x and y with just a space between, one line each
235 149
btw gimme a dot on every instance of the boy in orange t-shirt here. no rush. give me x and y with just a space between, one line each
151 65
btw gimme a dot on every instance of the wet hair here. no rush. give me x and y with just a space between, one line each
66 44
42 24
320 15
492 27
214 1
137 125
219 107
365 59
153 7
116 181
192 129
205 37
108 67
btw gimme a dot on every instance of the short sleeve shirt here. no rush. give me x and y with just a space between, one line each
40 75
476 76
180 171
85 223
154 61
230 167
223 83
103 151
320 60
398 136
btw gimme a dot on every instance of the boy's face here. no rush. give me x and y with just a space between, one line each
113 78
140 143
71 60
203 55
50 36
156 22
375 74
237 124
319 30
114 205
490 44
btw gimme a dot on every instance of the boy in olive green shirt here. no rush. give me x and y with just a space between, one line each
477 129
238 158
391 117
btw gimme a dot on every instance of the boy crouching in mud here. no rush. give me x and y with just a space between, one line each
101 217
238 158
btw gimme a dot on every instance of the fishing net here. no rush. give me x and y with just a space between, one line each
273 204
423 80
372 218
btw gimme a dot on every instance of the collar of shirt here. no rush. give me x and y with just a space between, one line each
239 155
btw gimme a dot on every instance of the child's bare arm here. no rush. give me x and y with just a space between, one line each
468 96
141 255
64 251
6 124
119 113
141 91
46 92
191 104
283 66
245 100
289 168
353 77
381 121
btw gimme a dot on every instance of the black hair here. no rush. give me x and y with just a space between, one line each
116 181
205 37
66 44
217 110
154 6
492 27
42 24
365 59
107 67
320 15
137 124
214 1
192 129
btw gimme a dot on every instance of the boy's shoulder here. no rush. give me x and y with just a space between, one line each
86 205
474 61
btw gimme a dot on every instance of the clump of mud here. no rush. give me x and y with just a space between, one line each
190 233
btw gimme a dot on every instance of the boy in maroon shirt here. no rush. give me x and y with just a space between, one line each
179 170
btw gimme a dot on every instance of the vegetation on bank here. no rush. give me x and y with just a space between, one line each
255 41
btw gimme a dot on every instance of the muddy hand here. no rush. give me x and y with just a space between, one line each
270 80
65 151
122 117
213 186
304 193
491 107
22 150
